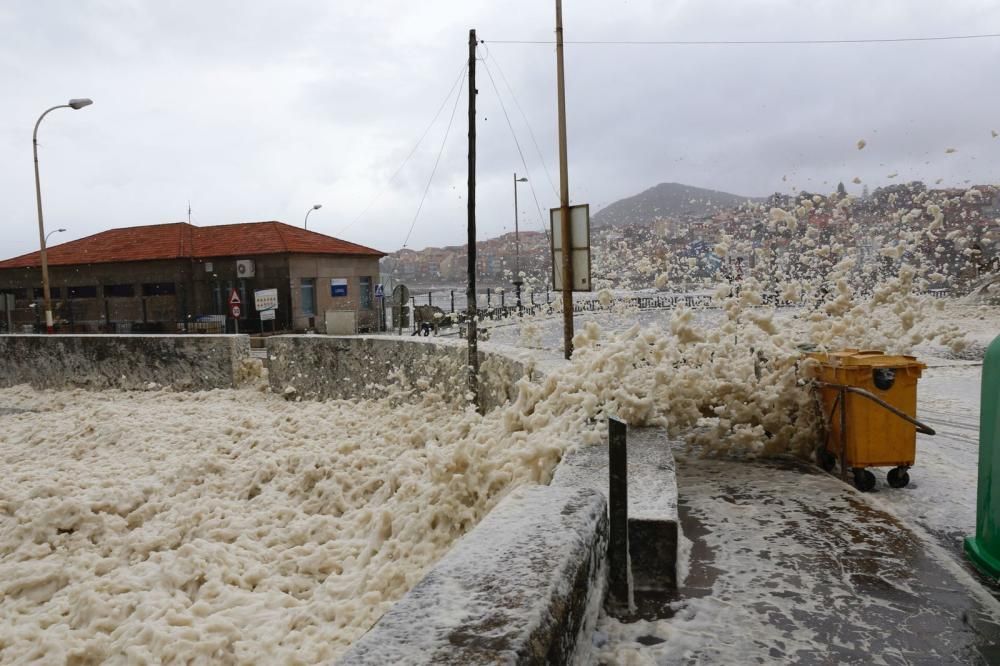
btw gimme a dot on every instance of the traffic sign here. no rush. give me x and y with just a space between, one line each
234 310
234 297
379 291
267 315
400 295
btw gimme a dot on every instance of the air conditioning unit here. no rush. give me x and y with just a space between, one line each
245 268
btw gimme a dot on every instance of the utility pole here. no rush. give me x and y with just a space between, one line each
470 289
567 245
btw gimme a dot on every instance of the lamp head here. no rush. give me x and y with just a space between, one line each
317 206
59 231
80 103
522 180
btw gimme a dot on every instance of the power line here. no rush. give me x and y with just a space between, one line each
436 162
527 124
517 143
747 42
380 193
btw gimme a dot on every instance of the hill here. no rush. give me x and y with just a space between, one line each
666 200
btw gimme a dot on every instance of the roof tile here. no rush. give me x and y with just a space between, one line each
182 240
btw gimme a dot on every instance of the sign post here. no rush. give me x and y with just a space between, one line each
578 246
400 297
234 308
266 302
266 315
380 296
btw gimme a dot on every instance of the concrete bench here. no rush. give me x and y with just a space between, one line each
652 502
520 588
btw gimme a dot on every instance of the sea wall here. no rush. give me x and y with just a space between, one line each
523 587
318 367
184 362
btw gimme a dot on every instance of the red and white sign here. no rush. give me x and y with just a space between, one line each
234 304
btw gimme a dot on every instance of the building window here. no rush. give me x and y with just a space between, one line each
366 292
119 291
218 299
53 292
308 291
83 292
159 289
19 294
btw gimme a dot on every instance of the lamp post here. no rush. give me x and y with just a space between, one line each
74 104
316 207
517 245
57 231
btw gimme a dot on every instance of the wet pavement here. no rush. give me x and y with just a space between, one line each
789 565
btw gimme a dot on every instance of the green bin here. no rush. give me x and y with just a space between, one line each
984 548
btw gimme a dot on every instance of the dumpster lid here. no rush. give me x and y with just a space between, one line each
868 358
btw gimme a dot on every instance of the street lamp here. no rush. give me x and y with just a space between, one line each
57 231
517 245
316 207
72 104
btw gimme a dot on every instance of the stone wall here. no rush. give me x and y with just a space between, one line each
318 367
523 587
186 362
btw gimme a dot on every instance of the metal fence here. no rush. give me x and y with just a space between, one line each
529 307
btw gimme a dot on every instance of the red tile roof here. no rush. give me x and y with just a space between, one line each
182 240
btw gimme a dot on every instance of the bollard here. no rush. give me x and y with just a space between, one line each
619 588
984 548
453 300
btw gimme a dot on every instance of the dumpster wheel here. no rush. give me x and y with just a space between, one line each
898 477
863 479
827 461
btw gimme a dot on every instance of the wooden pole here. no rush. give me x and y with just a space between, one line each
567 245
470 289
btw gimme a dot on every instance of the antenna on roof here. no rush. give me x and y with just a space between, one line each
189 211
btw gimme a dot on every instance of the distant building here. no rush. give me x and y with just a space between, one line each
179 277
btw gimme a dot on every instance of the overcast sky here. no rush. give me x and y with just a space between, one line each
256 110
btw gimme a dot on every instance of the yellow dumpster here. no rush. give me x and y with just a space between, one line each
869 402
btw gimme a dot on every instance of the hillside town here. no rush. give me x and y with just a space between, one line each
630 250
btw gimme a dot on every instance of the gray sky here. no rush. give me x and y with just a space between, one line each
256 110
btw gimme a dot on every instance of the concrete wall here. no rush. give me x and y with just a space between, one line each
189 362
523 587
320 367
